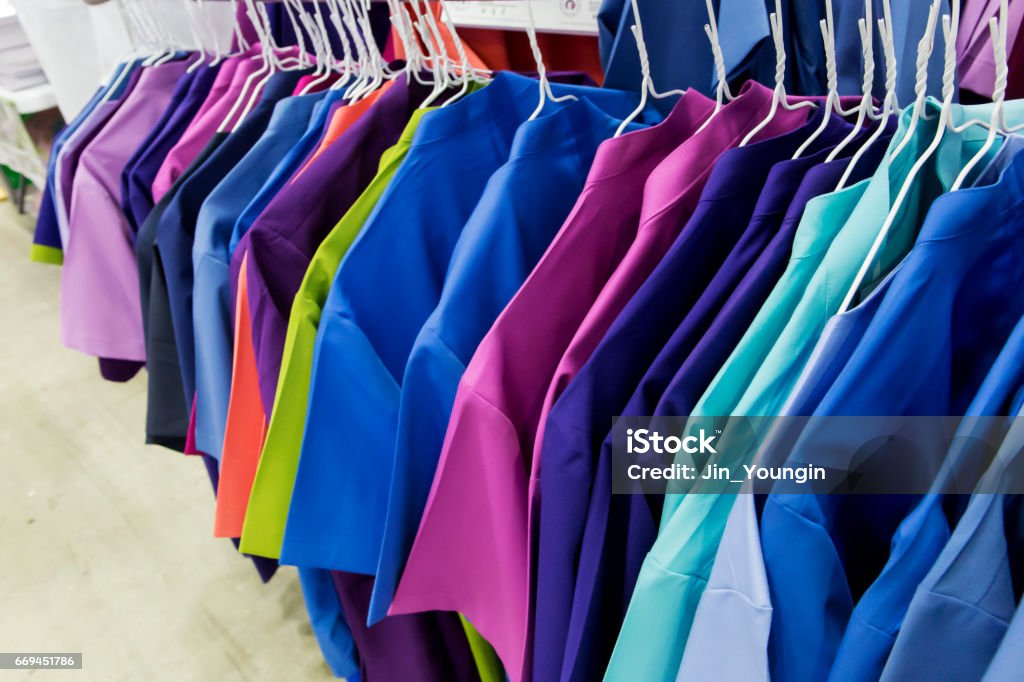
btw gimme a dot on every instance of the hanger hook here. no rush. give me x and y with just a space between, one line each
647 89
545 87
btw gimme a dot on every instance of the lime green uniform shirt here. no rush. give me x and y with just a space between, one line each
271 493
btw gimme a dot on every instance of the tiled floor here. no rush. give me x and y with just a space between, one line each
105 543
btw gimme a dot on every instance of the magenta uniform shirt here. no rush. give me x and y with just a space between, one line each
472 551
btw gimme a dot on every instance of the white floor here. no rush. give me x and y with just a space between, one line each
105 543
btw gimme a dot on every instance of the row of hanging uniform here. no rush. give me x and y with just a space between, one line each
398 334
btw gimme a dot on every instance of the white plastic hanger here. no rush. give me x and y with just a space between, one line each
219 53
924 54
950 25
469 74
998 29
433 56
364 72
374 57
149 40
256 80
266 69
345 25
647 82
135 32
275 63
832 103
889 105
465 73
194 29
300 37
361 86
722 92
239 34
348 65
866 108
542 73
161 40
173 44
325 63
123 69
414 63
779 93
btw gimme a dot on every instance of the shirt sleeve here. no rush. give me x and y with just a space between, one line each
475 516
245 429
428 393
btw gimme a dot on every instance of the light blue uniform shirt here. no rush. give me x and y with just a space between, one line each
290 162
212 307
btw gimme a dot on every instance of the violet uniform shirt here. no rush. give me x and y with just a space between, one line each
696 373
386 287
177 96
70 155
670 196
619 530
100 309
975 58
672 296
47 246
492 586
284 238
731 590
137 180
525 203
543 315
422 646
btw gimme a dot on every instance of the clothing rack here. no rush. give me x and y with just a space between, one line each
399 327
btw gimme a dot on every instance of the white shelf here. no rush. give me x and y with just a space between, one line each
550 16
31 100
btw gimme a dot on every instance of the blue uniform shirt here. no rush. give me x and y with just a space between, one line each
523 206
952 279
387 286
